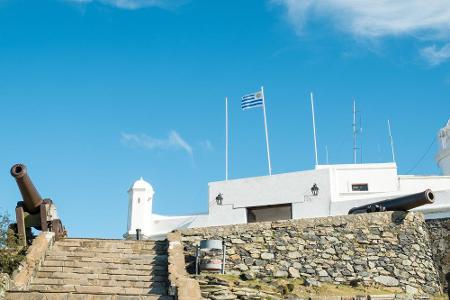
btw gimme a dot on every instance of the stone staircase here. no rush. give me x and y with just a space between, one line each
100 269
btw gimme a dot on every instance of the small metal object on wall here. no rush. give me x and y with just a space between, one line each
315 190
219 199
207 255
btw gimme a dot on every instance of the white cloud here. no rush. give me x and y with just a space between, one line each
176 140
131 4
173 141
375 18
435 55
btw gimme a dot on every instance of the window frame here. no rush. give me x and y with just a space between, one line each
360 187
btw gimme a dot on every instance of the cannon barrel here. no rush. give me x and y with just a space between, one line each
404 203
31 198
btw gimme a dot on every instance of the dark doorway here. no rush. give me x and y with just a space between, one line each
269 213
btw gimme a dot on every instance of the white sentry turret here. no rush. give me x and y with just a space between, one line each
140 203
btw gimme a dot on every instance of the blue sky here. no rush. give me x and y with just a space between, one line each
95 94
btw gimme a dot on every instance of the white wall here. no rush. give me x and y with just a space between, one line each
285 188
380 178
161 225
415 184
226 214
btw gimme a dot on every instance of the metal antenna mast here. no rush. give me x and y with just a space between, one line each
354 131
355 134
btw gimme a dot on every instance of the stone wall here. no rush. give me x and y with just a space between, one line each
380 249
439 231
181 285
21 277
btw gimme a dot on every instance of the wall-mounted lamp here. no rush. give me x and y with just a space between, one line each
219 199
315 190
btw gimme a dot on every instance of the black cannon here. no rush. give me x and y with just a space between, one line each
33 211
404 203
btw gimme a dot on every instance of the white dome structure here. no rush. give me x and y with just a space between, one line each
140 202
142 184
443 157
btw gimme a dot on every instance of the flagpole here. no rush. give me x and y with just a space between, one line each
314 128
226 138
267 134
392 141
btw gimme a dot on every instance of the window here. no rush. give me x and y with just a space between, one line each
269 213
360 187
139 200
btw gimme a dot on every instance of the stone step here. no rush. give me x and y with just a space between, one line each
81 277
74 296
112 245
112 290
117 244
101 269
108 239
108 282
89 269
116 264
117 254
137 260
149 250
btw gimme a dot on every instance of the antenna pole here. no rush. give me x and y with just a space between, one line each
226 138
314 128
354 131
360 140
392 141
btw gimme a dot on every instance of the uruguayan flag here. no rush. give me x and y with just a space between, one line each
252 100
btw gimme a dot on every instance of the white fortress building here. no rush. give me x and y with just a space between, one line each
326 190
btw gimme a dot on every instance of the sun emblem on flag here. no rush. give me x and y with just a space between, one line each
258 95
